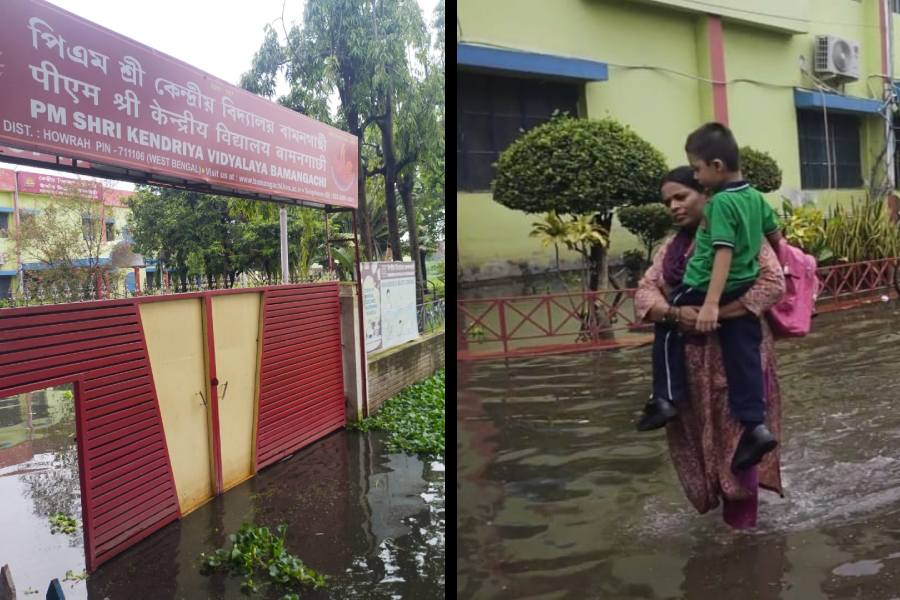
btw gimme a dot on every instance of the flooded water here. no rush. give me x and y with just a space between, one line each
370 520
39 479
559 497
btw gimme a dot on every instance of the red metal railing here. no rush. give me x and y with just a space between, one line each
572 322
547 324
852 281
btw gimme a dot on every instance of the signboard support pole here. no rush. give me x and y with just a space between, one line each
328 241
282 216
20 268
362 323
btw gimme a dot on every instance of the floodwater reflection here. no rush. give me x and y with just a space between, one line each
38 479
372 521
560 498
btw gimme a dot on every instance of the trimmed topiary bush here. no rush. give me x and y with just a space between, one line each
760 169
649 222
579 167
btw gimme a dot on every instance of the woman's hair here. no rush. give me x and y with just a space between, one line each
683 175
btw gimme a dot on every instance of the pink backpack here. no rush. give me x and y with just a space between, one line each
792 315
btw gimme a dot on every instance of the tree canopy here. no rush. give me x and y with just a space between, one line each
220 239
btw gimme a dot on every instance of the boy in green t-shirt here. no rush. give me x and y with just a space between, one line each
724 264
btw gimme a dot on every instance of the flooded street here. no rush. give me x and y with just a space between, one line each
559 497
370 520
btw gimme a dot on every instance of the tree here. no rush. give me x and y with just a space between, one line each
168 224
365 52
420 140
354 48
218 239
400 26
649 222
760 170
579 167
66 238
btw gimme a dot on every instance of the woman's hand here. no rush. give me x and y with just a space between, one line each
708 318
687 319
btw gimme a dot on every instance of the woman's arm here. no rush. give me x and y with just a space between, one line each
766 291
650 302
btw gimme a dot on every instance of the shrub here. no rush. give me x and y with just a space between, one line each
804 227
760 169
635 264
862 231
579 167
649 222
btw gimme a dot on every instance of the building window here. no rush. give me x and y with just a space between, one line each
841 151
4 225
110 231
895 6
5 286
492 111
90 228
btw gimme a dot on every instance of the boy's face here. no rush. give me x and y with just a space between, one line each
709 174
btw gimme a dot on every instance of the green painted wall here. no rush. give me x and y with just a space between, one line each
664 106
493 239
790 16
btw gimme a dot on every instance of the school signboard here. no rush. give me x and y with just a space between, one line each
74 89
389 304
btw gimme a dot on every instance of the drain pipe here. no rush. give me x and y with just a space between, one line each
282 219
887 67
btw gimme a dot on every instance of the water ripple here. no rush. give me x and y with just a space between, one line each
577 498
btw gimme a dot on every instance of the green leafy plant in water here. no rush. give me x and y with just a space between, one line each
259 555
73 576
414 418
63 523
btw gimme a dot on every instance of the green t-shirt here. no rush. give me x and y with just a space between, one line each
737 217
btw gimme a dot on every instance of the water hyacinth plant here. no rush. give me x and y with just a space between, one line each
62 523
414 418
259 555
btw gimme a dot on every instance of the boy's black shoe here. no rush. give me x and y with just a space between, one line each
657 412
754 444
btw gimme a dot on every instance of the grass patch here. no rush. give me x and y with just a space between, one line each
414 418
259 555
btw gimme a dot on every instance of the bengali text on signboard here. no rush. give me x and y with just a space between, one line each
75 89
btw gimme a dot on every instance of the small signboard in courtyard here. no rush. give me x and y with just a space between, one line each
389 304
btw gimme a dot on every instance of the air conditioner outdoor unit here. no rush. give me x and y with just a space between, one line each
837 58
